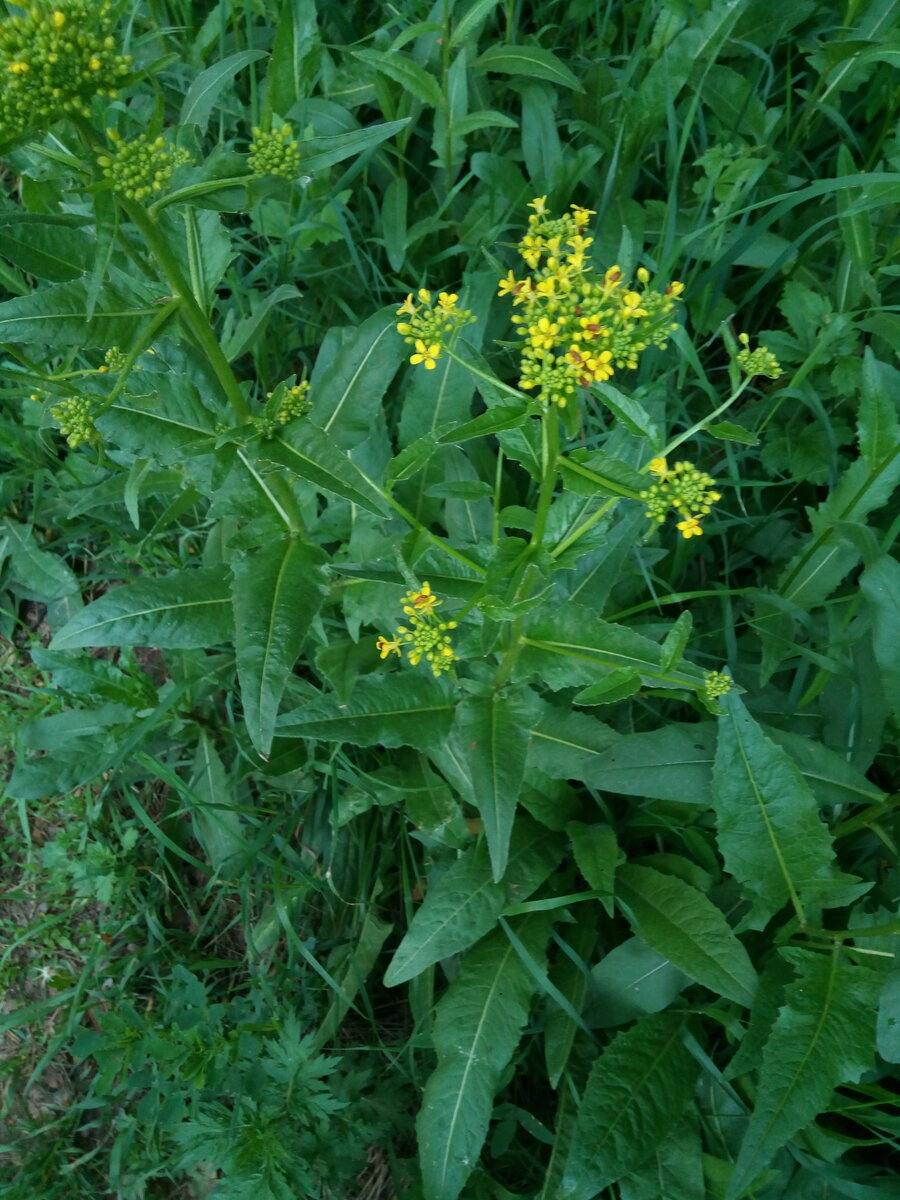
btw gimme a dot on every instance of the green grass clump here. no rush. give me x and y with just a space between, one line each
449 684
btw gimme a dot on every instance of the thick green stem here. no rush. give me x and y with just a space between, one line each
192 313
549 457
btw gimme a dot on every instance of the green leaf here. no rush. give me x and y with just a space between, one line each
320 153
348 394
877 421
631 981
63 315
486 119
309 453
629 412
184 610
823 1036
477 1026
169 422
566 744
827 557
214 816
248 330
635 1095
470 21
530 62
597 854
492 738
53 252
674 1169
889 1018
407 710
208 86
618 685
574 646
769 830
678 921
277 591
465 903
676 641
727 431
394 208
880 584
405 71
296 53
44 575
570 978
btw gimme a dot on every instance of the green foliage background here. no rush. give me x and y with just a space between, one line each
281 919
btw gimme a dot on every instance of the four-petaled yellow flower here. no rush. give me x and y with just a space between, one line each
659 467
386 646
426 354
689 527
407 307
539 204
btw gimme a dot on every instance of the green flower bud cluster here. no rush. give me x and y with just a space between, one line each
757 362
274 152
142 166
75 418
53 59
716 684
114 359
294 403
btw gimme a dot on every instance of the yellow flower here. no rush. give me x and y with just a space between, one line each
643 275
674 288
690 527
660 468
58 19
539 204
422 601
510 286
631 303
425 295
543 335
447 301
385 646
582 215
18 68
407 307
426 354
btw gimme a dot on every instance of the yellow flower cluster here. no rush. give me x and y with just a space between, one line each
425 636
760 361
578 327
142 166
53 59
682 487
431 325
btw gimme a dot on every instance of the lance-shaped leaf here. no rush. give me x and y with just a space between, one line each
397 710
184 610
492 739
685 926
477 1026
61 315
575 646
530 62
208 86
169 423
635 1094
347 394
769 830
823 1036
465 903
880 584
309 453
276 593
319 153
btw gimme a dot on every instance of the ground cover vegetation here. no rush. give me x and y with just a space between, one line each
449 600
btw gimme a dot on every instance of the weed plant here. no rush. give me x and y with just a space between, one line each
449 600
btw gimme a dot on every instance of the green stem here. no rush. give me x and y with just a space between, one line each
192 313
438 541
196 189
549 457
689 433
583 528
167 311
486 376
